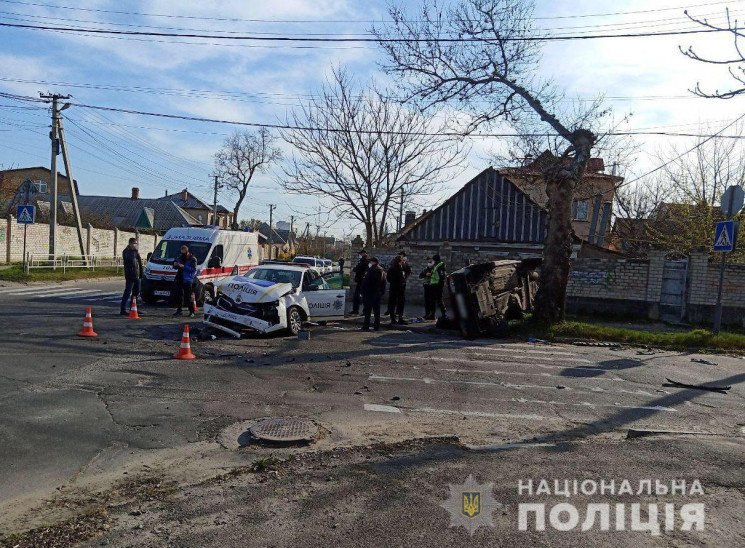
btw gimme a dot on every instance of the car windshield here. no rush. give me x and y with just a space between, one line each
168 251
276 275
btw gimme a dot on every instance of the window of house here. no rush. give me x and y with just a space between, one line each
581 210
41 186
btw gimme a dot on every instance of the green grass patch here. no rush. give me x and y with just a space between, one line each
15 273
693 339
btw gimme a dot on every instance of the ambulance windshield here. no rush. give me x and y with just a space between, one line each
168 251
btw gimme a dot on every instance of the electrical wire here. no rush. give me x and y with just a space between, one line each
374 40
240 20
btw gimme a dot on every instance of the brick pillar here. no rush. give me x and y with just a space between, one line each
655 266
446 254
116 242
8 224
698 266
88 237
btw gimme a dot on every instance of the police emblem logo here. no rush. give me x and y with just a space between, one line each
471 505
338 305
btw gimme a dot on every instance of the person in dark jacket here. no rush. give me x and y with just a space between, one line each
341 265
132 274
396 290
372 288
359 271
185 277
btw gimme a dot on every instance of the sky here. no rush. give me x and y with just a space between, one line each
646 80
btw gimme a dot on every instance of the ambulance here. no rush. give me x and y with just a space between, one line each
220 254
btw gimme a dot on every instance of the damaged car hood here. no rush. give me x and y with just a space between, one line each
249 290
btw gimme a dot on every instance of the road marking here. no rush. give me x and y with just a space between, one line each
582 389
478 414
82 293
381 408
37 290
511 348
523 374
47 294
488 362
552 358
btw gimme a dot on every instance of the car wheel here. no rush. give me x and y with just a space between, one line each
149 299
294 321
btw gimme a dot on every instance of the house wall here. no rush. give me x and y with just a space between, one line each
100 242
11 180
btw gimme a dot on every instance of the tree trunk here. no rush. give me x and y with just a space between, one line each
369 235
551 297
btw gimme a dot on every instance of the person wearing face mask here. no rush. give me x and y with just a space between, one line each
132 274
186 273
359 271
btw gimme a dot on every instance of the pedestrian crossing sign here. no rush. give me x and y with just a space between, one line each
26 214
724 237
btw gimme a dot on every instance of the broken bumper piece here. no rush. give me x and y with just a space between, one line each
233 323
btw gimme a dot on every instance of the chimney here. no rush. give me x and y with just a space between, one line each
184 195
166 193
135 193
409 218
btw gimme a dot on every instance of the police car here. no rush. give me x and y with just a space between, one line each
275 297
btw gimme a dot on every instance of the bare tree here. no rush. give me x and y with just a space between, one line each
678 209
242 155
481 56
735 62
361 153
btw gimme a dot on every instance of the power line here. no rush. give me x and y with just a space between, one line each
623 25
284 39
231 19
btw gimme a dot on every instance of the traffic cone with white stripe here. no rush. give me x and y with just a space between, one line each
133 315
194 303
88 325
184 352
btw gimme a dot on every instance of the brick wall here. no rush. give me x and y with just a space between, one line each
98 241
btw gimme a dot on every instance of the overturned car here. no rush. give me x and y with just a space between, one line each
486 296
275 297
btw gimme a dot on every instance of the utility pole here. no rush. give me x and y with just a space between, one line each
324 244
291 235
401 212
214 203
271 231
57 136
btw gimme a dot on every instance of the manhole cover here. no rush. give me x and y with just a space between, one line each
285 430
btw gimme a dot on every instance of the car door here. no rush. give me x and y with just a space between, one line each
325 297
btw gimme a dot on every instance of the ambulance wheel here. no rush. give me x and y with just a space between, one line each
294 321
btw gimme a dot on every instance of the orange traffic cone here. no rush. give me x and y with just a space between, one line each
133 315
184 352
194 302
88 325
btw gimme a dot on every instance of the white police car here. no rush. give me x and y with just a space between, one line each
275 297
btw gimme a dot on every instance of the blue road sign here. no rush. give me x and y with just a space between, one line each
26 214
724 237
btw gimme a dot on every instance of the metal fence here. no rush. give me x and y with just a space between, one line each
65 262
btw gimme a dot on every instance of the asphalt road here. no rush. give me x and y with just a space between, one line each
80 416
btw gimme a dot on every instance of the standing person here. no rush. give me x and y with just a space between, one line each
437 282
187 273
425 275
341 265
132 274
396 290
359 271
373 288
